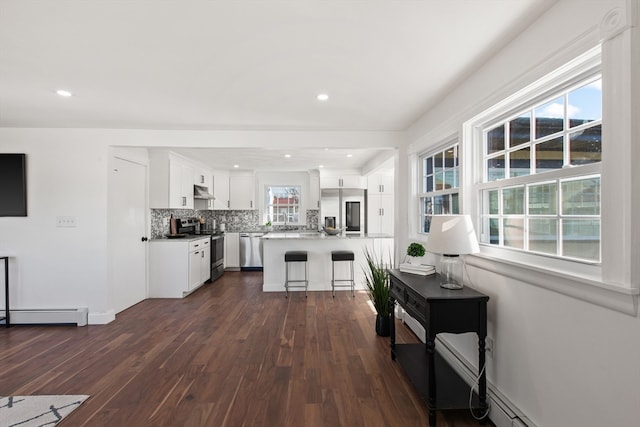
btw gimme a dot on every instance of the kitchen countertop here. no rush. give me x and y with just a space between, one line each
314 235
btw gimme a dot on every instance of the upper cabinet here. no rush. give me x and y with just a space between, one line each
380 184
171 181
242 191
346 180
314 190
221 190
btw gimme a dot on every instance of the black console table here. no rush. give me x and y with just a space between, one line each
439 310
6 318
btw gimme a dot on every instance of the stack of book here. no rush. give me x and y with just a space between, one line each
420 269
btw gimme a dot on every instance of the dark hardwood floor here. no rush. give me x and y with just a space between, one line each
227 355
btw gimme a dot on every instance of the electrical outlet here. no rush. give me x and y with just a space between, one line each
489 345
66 221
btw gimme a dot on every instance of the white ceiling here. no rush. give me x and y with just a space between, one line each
244 65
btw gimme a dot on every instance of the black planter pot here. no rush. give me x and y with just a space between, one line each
383 325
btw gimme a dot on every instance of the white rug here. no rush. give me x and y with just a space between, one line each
35 411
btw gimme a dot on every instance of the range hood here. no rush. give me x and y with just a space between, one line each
200 192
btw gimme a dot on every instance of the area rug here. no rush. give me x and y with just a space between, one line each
35 411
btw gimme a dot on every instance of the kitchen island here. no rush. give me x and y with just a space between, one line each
319 247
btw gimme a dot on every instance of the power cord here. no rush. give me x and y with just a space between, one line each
476 384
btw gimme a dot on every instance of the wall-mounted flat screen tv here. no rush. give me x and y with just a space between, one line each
13 184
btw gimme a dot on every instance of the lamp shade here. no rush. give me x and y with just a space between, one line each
452 235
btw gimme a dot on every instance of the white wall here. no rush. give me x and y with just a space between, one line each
560 360
58 267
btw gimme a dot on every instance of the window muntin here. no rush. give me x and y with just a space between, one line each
439 194
522 206
282 204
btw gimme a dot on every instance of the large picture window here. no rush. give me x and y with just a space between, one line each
282 204
540 189
439 185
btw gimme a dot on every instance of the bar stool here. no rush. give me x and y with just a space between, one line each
337 256
296 256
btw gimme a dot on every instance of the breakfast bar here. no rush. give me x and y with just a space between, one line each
319 247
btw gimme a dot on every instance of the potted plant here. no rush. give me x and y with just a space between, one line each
415 250
268 225
377 282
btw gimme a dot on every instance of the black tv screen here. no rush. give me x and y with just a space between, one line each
13 185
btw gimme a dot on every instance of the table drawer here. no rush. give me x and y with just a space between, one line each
416 306
397 291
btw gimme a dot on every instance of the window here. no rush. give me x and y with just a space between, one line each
440 185
540 189
283 204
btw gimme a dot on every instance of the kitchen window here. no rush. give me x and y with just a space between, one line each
539 190
282 204
440 184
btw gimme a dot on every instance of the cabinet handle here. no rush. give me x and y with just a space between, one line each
201 179
184 201
382 210
195 246
228 203
250 203
202 254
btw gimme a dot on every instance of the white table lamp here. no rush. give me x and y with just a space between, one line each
451 236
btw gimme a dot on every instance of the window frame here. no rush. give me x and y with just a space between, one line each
269 208
559 175
585 66
451 143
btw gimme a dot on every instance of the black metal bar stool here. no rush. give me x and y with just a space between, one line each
296 256
337 256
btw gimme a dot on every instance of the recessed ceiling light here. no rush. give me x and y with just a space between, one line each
349 155
236 166
322 97
321 166
287 155
62 92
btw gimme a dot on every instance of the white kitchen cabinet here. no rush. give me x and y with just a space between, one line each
178 267
380 213
221 190
314 191
242 191
170 181
232 251
343 181
380 184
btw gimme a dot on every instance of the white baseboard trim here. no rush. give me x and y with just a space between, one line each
503 412
102 318
43 316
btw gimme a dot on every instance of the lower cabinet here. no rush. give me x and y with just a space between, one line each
177 268
232 251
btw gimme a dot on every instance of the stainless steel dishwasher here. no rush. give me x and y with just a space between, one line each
251 251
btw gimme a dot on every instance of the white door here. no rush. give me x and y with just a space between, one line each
127 233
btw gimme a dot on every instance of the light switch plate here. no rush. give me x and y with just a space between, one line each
66 221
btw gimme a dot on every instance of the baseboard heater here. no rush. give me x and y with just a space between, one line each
44 316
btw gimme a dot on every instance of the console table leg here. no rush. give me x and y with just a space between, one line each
392 327
482 382
431 361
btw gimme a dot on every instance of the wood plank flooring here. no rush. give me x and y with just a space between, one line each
227 355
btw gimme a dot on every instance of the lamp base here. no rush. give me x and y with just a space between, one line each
451 285
451 271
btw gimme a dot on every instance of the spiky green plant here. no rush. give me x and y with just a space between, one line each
377 282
